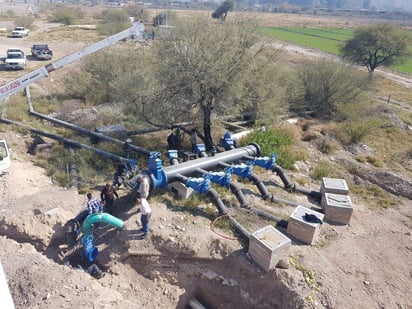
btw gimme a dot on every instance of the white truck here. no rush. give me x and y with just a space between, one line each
20 32
15 59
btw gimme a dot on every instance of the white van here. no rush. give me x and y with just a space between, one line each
4 157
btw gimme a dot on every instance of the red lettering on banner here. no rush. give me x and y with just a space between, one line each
11 86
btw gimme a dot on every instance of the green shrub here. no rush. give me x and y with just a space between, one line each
273 140
24 21
374 160
376 196
8 14
329 147
113 21
91 169
66 15
355 130
322 169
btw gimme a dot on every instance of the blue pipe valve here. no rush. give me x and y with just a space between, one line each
155 166
243 170
200 185
266 162
89 250
228 142
222 178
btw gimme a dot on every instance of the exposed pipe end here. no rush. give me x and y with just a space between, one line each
266 196
283 223
291 187
258 150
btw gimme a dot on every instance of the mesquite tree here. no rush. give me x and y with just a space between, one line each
376 45
196 69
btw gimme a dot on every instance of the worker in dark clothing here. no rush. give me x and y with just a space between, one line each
77 260
178 134
172 141
193 140
120 170
107 196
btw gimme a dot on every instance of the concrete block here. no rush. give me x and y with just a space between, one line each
189 156
181 189
337 207
267 246
334 185
301 229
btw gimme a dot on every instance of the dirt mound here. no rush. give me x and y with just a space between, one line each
362 265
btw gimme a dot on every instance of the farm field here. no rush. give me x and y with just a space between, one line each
324 39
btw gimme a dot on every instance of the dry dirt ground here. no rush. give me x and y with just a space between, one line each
366 264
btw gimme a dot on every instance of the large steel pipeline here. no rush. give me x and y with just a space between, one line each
81 130
188 167
66 141
158 128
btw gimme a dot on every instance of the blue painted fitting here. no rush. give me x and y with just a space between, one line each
172 154
213 150
200 148
156 170
266 162
200 185
89 250
221 178
243 170
227 141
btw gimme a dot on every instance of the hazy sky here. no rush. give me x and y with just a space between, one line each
385 4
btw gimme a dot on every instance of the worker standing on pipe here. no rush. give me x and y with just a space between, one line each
93 204
107 196
146 215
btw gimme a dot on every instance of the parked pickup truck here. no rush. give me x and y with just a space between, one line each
15 59
41 52
20 32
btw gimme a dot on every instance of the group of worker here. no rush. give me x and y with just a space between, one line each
174 139
108 195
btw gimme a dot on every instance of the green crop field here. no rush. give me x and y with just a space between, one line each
325 39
